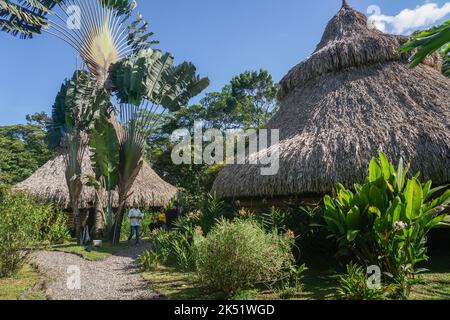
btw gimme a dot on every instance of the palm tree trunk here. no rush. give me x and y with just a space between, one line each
99 215
118 223
77 220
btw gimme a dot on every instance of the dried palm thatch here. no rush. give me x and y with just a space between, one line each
49 184
352 97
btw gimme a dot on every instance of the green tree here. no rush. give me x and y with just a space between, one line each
255 93
23 149
248 101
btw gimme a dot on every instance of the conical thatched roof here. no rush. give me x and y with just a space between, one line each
49 184
352 97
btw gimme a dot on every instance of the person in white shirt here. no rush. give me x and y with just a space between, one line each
135 216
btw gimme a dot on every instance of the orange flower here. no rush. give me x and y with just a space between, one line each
154 232
199 230
290 234
242 212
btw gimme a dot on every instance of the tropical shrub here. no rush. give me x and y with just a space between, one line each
306 222
353 285
385 221
53 225
240 255
212 210
149 261
25 223
176 247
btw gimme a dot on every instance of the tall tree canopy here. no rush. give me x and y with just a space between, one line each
23 149
247 102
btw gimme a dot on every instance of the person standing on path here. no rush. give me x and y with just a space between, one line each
135 216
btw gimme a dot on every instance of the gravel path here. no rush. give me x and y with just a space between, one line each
115 278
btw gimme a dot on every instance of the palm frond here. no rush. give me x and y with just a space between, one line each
24 18
427 42
94 28
139 36
105 157
77 105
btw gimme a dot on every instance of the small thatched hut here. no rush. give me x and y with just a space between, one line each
352 97
49 184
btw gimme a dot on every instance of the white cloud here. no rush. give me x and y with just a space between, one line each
410 20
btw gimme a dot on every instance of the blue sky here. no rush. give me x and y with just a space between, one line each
221 37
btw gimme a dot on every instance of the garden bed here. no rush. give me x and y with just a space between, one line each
173 284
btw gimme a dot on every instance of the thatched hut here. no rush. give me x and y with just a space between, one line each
353 96
49 184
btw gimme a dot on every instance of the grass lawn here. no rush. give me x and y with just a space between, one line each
437 281
26 285
90 252
173 284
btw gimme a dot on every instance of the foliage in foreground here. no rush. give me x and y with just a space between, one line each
241 255
428 42
386 220
25 223
353 285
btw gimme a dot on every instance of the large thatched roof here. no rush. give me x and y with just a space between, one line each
352 97
49 184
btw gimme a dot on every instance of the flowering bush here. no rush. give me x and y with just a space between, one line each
385 221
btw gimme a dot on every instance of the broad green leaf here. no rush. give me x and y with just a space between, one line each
413 198
433 191
353 219
375 172
375 211
351 235
435 222
400 177
426 190
105 159
385 166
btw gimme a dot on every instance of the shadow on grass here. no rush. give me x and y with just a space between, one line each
173 284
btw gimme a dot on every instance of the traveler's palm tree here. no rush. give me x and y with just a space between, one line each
428 42
76 107
97 31
144 81
146 85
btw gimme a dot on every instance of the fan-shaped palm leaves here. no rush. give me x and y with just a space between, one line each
94 30
24 17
